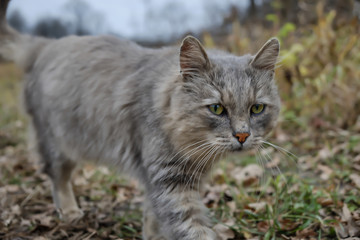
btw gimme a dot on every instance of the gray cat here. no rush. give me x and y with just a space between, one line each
164 116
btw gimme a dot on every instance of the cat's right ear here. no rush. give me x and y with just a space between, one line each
193 58
266 58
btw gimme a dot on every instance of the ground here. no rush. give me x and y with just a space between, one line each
307 186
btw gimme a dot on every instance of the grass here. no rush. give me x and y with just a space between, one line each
297 198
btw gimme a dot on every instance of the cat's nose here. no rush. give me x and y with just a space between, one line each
242 136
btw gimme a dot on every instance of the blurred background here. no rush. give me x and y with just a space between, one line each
312 186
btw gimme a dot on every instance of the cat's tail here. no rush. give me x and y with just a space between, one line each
8 36
16 47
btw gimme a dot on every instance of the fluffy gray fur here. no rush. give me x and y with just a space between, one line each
144 111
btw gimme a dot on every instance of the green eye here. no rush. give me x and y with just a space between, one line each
216 109
257 108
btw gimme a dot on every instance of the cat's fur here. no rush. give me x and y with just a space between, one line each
144 111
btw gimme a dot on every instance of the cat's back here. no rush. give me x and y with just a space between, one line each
86 52
84 67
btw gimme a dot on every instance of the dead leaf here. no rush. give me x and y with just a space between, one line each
224 232
325 201
40 238
324 153
346 214
248 175
257 207
348 227
263 226
286 224
232 206
326 171
306 233
356 179
12 188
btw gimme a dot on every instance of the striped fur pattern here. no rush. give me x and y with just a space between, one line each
145 112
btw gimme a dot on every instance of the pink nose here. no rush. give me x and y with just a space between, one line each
242 137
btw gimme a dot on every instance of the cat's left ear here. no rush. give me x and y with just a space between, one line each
266 58
193 58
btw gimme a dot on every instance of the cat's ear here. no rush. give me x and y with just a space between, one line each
193 58
266 58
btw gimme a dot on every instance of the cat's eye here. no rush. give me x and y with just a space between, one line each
257 108
216 109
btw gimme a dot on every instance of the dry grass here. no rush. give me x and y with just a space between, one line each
313 197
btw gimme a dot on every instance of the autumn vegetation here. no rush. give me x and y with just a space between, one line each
304 185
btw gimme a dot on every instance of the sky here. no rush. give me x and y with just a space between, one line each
139 19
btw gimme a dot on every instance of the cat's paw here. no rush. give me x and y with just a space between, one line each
70 215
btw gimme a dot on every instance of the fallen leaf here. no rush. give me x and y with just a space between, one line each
224 232
325 201
348 227
257 207
40 238
356 179
324 153
306 233
263 226
326 171
248 175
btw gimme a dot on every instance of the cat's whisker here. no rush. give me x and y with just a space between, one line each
263 177
179 152
278 169
212 158
199 165
223 150
286 153
202 163
260 160
183 159
191 153
205 152
290 154
187 155
267 159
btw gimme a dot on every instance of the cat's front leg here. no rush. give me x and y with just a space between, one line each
151 228
181 214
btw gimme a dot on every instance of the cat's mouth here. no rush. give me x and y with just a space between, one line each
237 148
240 148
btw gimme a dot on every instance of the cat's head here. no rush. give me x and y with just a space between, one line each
223 102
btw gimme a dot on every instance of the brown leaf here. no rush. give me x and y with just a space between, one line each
257 207
224 232
263 226
356 179
286 224
325 201
248 175
326 171
324 153
306 233
12 188
232 206
348 227
40 238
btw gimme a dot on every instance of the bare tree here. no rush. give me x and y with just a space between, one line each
16 20
51 28
85 20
